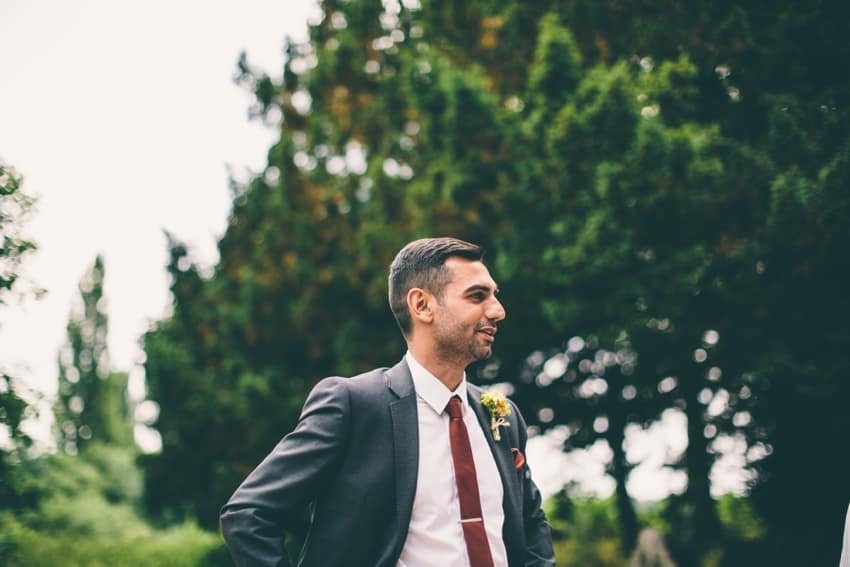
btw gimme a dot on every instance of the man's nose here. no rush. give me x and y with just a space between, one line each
496 311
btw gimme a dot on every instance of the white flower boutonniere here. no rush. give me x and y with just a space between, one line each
499 409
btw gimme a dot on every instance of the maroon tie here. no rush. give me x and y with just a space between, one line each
467 488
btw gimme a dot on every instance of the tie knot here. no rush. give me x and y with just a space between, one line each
455 408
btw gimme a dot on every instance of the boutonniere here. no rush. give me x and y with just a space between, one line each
497 404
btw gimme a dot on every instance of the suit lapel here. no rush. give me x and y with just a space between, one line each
501 449
512 499
405 444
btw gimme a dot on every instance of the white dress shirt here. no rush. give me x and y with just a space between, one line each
435 535
845 548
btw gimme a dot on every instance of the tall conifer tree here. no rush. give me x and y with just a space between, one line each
92 400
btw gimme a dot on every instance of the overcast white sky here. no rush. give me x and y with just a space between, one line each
122 118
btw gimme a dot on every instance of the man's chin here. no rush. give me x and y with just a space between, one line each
483 353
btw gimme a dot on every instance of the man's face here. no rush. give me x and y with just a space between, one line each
466 315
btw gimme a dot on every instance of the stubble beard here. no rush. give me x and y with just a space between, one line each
458 347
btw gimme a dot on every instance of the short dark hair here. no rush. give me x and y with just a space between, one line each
422 264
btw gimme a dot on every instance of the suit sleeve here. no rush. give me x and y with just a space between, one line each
538 533
281 486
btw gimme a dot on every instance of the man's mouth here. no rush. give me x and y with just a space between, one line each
489 332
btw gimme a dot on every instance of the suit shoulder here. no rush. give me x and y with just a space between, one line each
370 375
369 382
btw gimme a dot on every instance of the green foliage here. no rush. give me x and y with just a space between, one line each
135 544
739 518
83 510
92 402
557 65
668 183
585 531
743 542
602 552
87 515
13 411
15 206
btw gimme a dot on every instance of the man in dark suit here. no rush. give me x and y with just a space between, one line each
410 466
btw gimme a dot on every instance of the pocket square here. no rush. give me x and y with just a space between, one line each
519 459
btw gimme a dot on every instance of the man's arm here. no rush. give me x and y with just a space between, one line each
538 533
278 490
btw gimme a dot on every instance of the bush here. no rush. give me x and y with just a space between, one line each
184 545
585 531
87 516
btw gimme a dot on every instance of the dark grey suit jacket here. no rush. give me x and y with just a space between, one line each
353 461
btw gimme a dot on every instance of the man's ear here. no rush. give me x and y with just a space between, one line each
419 302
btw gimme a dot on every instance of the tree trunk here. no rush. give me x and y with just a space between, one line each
706 524
620 469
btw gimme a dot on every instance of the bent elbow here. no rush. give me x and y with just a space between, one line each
231 521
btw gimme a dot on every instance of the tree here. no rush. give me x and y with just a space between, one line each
594 395
703 160
15 206
634 171
316 230
801 380
14 246
92 401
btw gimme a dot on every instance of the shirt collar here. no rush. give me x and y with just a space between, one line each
429 388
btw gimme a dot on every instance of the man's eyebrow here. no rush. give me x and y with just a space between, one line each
481 287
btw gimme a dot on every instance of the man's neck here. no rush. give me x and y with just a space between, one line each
450 374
